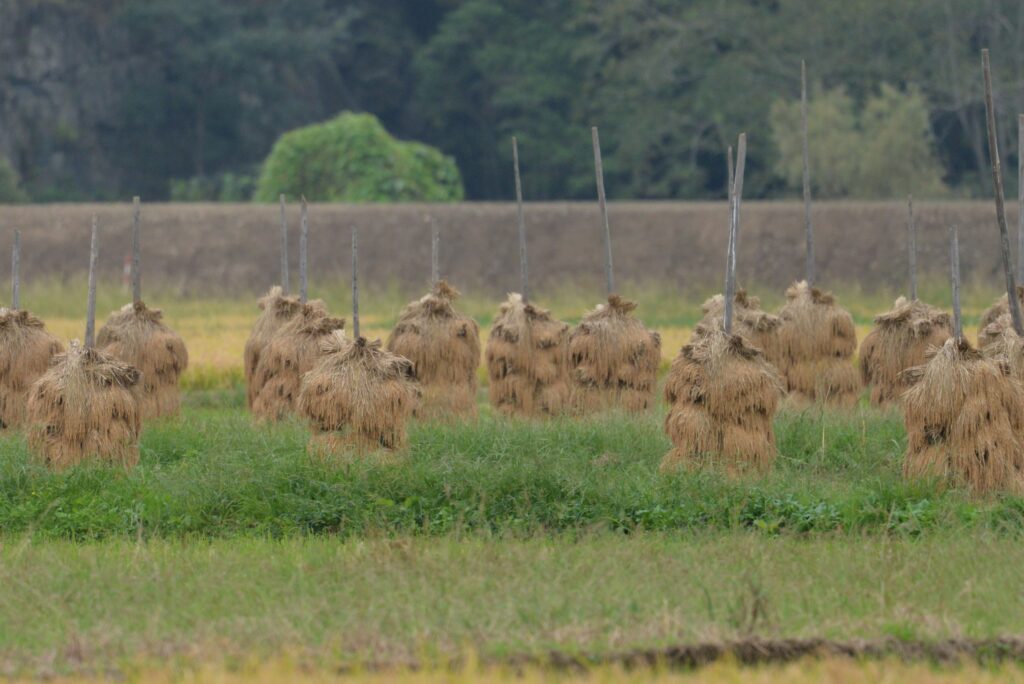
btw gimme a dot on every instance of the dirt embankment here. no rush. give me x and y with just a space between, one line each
232 248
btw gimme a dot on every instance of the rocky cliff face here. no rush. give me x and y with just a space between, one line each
60 66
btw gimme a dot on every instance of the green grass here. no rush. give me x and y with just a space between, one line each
211 473
72 605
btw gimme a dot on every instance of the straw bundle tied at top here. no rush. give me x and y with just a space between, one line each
26 352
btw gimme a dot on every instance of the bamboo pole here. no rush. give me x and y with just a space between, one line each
435 252
609 273
16 272
285 277
997 182
954 264
911 248
304 253
808 227
136 250
90 312
524 266
355 282
734 232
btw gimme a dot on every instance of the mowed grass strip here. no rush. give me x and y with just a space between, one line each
212 473
391 601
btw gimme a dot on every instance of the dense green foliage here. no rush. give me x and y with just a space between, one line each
10 184
212 474
351 158
211 85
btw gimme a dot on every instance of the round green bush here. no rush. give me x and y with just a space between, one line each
352 158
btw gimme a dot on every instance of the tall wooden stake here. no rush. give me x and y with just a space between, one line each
911 248
355 282
997 182
304 253
435 252
731 173
609 273
90 312
954 264
808 227
524 266
1020 198
734 231
136 251
284 247
16 272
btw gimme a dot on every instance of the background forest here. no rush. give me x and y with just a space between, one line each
184 99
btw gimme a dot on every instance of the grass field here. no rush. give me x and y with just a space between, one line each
228 553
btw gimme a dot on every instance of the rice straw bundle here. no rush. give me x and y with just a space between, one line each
26 351
527 360
999 308
357 397
614 359
85 408
276 309
900 340
138 336
444 349
293 350
964 414
757 327
723 395
814 347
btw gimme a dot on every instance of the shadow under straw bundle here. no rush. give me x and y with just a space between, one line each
86 408
137 335
723 395
358 397
527 360
26 352
614 359
756 326
900 340
814 348
276 309
293 350
443 346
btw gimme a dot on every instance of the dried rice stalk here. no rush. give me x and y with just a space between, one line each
527 360
85 407
814 348
293 350
757 327
900 340
358 397
1002 344
614 359
444 348
26 351
723 395
276 309
999 308
138 336
963 415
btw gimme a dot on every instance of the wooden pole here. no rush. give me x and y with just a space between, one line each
136 251
911 248
355 282
1020 198
997 182
285 278
729 178
16 271
954 264
524 266
435 252
90 314
304 253
609 273
808 227
734 232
